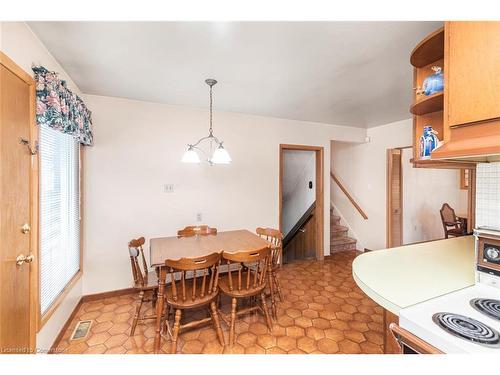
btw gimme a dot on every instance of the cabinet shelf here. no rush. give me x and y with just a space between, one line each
428 50
429 104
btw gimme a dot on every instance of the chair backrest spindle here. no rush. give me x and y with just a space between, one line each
136 250
183 269
254 263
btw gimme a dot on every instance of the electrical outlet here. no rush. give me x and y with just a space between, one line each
168 188
198 217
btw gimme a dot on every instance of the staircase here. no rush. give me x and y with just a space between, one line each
339 240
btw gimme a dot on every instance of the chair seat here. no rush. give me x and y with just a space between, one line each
456 231
150 284
224 287
189 303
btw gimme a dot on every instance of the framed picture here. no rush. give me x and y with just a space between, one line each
464 179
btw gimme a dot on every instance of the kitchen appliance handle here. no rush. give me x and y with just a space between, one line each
403 337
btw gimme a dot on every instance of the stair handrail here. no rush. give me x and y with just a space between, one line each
349 196
299 224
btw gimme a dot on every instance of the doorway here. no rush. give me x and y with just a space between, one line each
19 207
301 207
415 196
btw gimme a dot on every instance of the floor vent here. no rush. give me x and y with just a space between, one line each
81 330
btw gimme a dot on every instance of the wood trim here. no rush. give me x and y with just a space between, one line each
319 211
110 294
390 344
16 69
8 63
42 319
409 339
349 196
480 254
389 223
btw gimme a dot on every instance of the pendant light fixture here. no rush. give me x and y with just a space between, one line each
217 152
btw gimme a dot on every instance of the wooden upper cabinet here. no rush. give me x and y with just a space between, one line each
471 113
473 72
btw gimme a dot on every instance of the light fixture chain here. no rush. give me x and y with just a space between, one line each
211 100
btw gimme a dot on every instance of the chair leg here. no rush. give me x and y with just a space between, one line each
216 321
278 287
266 312
175 333
271 289
233 321
137 313
154 298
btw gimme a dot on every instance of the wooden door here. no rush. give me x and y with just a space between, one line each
17 319
394 198
303 244
473 76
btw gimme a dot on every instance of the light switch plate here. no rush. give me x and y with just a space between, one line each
168 188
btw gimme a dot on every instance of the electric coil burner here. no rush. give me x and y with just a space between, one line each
467 328
487 306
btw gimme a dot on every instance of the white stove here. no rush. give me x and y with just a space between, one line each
422 320
467 320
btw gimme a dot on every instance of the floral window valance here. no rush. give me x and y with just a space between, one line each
60 108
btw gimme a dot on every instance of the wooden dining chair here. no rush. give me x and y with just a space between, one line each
194 284
275 237
192 230
452 225
145 281
246 277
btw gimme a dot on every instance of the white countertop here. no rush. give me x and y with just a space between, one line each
403 276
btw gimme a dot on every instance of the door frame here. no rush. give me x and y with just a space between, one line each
319 210
9 64
389 221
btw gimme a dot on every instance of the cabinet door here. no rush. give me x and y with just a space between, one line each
473 77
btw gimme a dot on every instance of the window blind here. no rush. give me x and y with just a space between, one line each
59 213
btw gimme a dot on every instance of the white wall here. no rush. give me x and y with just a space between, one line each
424 192
362 168
299 168
138 146
20 44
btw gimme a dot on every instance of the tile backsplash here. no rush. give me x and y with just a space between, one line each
488 195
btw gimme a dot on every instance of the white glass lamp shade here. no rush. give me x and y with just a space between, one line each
190 156
221 156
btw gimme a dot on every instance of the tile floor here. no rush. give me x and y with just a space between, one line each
324 312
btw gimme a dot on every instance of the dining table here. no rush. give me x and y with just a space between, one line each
174 247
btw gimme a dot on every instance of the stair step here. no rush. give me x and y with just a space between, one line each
338 228
342 241
334 219
338 231
342 244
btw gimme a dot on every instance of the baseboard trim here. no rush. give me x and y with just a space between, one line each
53 348
86 298
110 294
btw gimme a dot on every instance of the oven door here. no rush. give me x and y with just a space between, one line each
411 344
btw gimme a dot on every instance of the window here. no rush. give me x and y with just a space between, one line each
59 213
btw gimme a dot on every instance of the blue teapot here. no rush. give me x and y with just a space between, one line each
428 142
434 83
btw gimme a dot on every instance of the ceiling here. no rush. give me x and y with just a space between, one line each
343 73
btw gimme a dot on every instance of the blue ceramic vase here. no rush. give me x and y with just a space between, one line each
434 83
428 142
